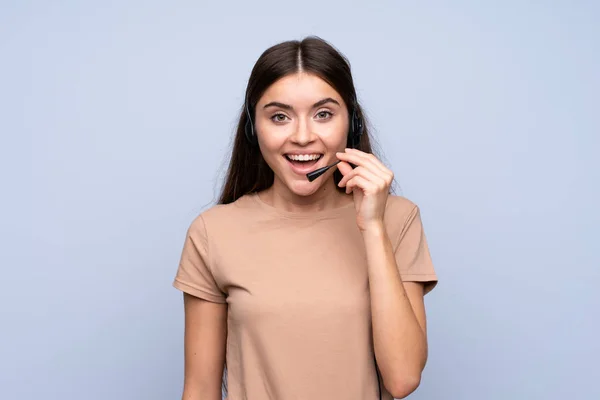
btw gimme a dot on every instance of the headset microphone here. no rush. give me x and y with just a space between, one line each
318 172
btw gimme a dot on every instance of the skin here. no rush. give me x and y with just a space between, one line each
397 307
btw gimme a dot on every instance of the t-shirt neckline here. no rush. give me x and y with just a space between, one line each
333 212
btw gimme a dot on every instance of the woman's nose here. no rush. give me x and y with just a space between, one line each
303 133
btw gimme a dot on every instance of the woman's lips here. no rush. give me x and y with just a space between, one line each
303 167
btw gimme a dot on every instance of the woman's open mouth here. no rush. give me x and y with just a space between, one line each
303 163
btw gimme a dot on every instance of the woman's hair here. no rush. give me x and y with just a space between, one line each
248 171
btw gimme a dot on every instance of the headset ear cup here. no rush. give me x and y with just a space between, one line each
356 129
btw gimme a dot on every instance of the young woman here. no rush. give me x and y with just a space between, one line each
301 289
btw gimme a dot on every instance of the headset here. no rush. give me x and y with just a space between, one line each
354 134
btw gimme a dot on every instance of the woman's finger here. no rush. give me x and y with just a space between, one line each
385 177
344 168
361 183
365 173
377 181
360 161
370 158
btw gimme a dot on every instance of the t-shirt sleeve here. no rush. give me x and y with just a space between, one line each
412 252
194 275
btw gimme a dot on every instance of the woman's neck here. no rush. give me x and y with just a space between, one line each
327 197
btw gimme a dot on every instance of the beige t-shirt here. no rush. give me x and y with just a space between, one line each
296 286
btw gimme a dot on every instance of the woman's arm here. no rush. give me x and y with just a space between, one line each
205 341
398 313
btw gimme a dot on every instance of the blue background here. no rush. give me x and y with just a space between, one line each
116 120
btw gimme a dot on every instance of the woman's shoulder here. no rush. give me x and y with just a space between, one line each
399 205
225 214
399 212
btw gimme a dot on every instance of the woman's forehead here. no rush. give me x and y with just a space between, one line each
299 90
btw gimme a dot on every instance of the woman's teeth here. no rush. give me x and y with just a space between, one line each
303 157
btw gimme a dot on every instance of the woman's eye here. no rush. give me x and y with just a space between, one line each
323 114
278 117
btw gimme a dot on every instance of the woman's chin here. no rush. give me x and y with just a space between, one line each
306 188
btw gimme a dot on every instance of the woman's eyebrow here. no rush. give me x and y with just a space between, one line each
289 107
279 105
325 101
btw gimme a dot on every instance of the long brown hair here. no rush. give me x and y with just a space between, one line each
248 171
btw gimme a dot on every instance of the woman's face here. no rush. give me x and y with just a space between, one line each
301 122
